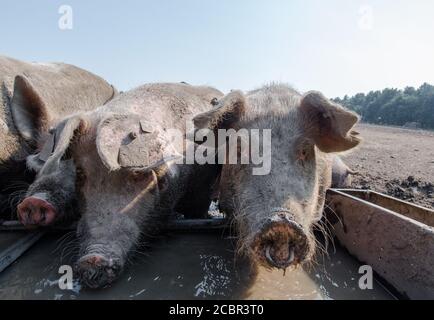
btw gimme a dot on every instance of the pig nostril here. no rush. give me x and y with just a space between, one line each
25 215
43 213
280 264
268 255
29 215
291 255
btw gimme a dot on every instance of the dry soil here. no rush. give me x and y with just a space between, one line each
395 161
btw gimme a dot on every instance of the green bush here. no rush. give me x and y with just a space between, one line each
408 107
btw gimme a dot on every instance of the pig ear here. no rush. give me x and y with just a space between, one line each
60 141
328 124
127 141
29 112
225 115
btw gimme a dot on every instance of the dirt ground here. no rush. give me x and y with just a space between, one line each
395 161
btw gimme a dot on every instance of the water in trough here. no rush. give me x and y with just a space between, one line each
186 266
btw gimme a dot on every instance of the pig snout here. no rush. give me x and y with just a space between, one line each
35 210
281 243
97 270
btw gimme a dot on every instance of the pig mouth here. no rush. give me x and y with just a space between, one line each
280 244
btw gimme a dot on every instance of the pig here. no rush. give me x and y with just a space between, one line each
341 174
34 97
121 165
275 213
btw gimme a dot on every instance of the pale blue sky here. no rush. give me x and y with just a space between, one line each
231 44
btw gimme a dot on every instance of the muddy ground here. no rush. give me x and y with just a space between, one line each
395 161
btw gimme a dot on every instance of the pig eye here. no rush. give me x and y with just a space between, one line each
138 175
304 153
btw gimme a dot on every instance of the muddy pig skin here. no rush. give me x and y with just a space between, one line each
274 213
34 97
124 173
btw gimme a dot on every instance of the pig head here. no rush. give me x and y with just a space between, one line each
111 172
275 212
34 98
341 174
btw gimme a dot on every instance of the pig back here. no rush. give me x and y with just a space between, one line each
165 105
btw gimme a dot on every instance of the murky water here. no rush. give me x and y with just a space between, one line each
186 266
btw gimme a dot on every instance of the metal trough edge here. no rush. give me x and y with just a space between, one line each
12 253
400 249
172 225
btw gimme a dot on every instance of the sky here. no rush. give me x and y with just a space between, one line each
338 46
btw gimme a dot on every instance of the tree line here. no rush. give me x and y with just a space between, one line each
409 107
